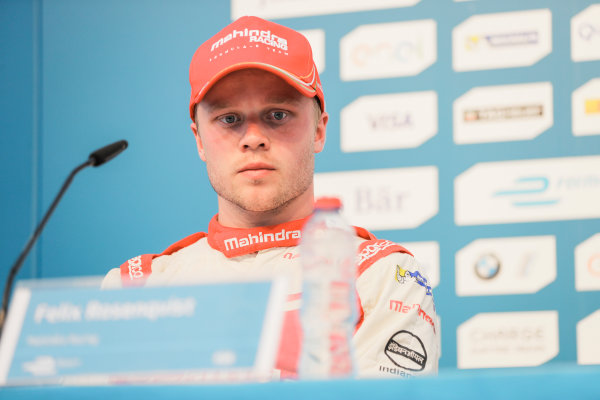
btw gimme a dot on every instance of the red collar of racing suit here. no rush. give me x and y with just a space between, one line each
232 242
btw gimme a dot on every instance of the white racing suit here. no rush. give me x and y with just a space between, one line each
396 333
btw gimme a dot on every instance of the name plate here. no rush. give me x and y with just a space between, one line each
79 334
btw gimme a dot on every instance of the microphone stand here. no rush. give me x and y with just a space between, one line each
97 158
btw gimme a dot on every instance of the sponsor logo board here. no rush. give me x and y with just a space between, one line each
427 255
588 332
406 351
587 264
389 121
528 190
585 103
507 339
273 9
502 40
585 34
388 50
503 113
316 38
506 265
395 198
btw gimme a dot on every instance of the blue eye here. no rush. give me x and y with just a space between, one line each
278 115
228 119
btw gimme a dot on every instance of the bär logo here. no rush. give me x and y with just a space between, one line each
373 201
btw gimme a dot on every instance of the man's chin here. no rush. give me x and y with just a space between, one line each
263 204
260 208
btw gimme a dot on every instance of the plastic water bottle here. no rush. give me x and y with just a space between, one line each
328 314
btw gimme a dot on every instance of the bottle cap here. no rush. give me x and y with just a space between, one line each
328 203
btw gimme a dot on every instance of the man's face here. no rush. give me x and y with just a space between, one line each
258 136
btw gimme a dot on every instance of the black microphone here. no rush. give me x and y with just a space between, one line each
107 153
95 159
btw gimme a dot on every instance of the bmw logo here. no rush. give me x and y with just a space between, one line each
487 266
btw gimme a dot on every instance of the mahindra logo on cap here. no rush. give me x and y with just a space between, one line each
254 36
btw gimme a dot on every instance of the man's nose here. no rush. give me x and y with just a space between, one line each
254 137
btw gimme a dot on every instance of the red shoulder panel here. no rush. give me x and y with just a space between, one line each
136 270
370 251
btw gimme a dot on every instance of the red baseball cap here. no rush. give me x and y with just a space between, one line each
252 42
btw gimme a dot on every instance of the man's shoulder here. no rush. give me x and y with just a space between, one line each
136 270
372 250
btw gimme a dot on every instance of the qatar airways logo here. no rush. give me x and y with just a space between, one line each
237 242
254 36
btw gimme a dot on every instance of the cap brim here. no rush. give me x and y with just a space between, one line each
297 83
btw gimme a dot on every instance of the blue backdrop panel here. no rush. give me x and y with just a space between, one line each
100 71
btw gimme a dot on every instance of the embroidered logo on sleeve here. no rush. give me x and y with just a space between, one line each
134 266
406 351
403 274
373 250
136 270
403 308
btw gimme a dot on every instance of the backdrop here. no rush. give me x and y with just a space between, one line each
466 130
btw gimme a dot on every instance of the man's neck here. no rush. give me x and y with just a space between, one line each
233 216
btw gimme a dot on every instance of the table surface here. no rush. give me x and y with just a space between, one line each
550 382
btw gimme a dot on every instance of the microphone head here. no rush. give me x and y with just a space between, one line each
107 153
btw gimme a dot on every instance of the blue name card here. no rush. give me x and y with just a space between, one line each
78 334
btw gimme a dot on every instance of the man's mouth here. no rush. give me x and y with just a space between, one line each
256 170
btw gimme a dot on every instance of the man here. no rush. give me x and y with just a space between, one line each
258 113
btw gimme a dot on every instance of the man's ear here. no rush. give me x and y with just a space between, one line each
321 132
198 141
